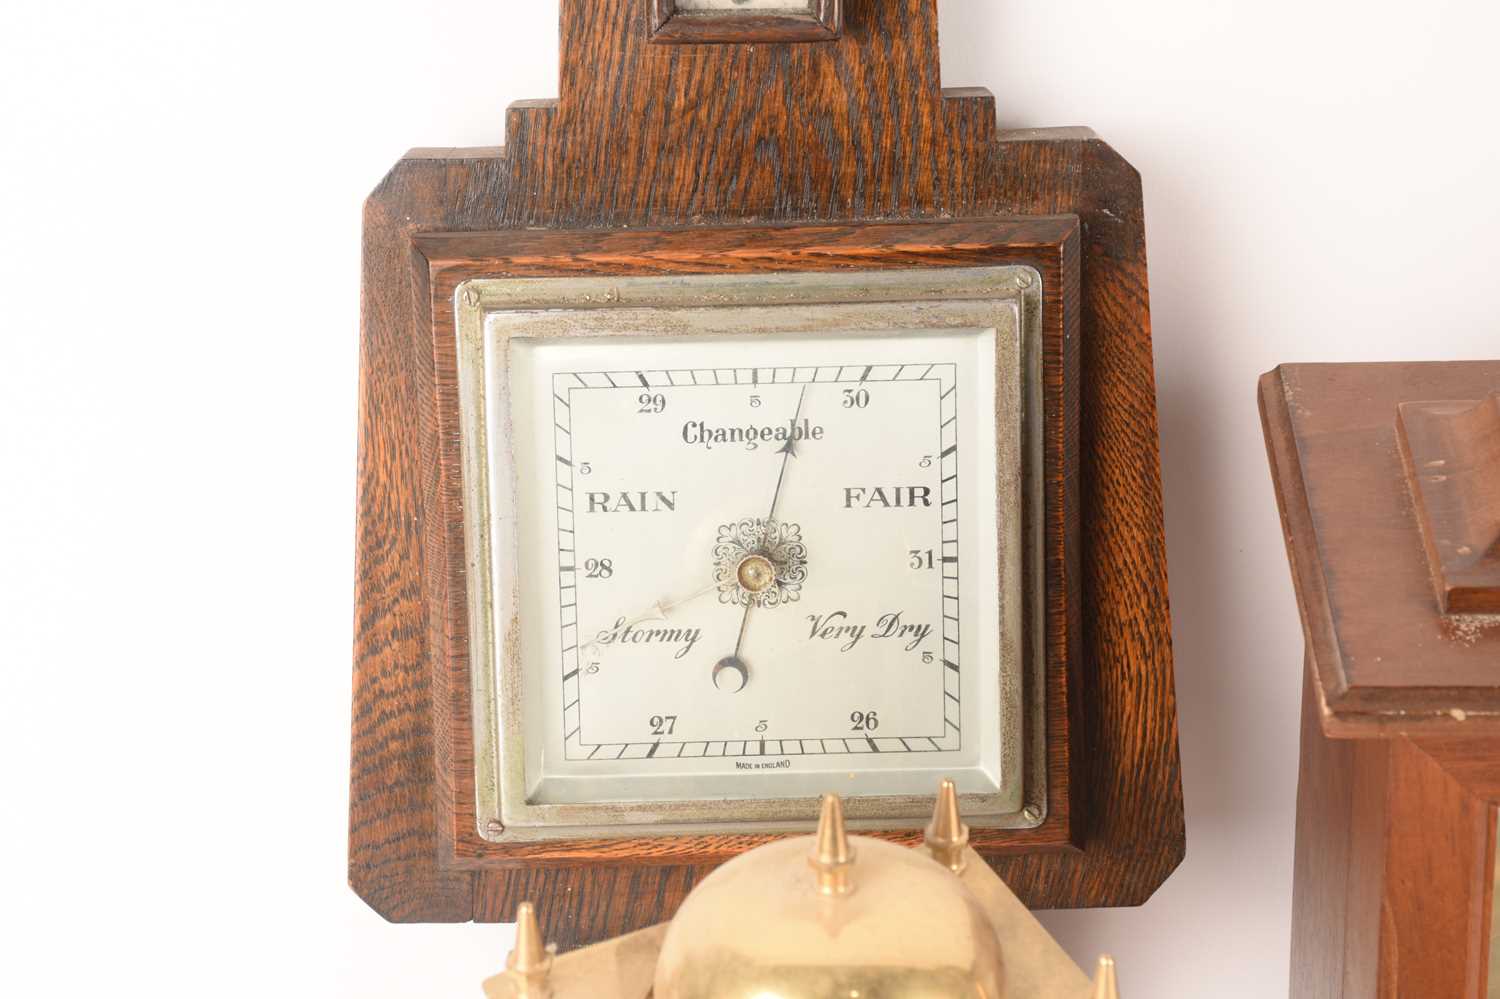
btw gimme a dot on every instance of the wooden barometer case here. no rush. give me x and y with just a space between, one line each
1388 480
759 421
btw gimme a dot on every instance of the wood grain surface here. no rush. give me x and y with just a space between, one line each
663 136
1336 903
1394 868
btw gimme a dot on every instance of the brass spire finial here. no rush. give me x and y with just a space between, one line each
947 836
833 856
1105 986
530 960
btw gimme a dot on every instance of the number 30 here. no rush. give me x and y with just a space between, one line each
856 398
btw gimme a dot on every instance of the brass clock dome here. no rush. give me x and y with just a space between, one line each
830 916
870 919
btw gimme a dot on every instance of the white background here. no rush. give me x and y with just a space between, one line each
180 188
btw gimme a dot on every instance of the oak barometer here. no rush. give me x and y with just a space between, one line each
759 422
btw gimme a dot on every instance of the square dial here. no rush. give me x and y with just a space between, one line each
738 556
773 569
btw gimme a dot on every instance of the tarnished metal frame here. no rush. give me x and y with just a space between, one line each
767 304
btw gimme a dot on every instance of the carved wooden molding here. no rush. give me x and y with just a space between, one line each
672 24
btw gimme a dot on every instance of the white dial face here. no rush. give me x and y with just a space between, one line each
758 566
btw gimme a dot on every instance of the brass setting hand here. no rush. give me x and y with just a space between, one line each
658 611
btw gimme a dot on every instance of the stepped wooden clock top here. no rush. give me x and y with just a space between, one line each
1389 481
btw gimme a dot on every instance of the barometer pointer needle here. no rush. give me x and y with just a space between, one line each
657 612
788 451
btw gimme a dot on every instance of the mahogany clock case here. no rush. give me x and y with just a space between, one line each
1379 469
838 154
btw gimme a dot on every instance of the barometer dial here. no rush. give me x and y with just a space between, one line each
740 585
736 540
758 558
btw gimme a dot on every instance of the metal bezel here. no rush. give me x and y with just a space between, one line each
1007 299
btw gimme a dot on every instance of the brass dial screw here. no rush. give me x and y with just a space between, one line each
530 961
947 836
756 574
1105 986
833 856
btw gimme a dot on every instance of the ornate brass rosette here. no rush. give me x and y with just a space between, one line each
741 554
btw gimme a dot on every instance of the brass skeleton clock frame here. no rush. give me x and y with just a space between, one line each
758 422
